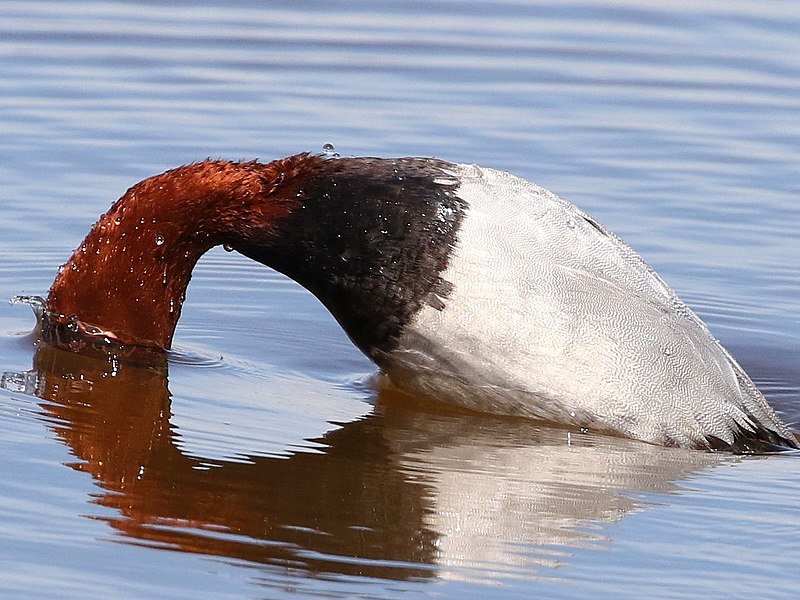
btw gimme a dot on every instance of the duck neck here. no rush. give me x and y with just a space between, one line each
128 278
369 237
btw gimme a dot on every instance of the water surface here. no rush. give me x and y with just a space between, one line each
265 460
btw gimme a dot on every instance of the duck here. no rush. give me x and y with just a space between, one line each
464 284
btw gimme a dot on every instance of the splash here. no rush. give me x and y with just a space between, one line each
69 332
20 382
37 304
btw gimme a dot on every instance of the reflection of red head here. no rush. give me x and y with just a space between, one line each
115 420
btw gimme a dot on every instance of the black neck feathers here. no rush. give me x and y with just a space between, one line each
370 238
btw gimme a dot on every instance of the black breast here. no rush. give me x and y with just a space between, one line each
371 240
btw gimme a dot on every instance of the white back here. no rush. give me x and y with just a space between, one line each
552 316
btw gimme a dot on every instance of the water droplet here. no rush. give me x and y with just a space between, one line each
159 240
227 247
72 325
571 223
118 220
83 248
75 267
329 151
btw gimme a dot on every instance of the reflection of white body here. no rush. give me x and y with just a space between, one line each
552 316
507 496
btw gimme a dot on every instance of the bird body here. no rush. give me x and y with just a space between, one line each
553 317
467 284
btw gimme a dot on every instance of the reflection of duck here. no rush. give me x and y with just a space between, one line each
467 284
309 508
398 494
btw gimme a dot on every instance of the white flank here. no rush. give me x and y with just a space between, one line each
551 316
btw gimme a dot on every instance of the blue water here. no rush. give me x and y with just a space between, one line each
267 463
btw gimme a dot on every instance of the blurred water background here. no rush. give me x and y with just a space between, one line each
267 464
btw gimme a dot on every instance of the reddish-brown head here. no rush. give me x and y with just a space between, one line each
369 237
128 278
